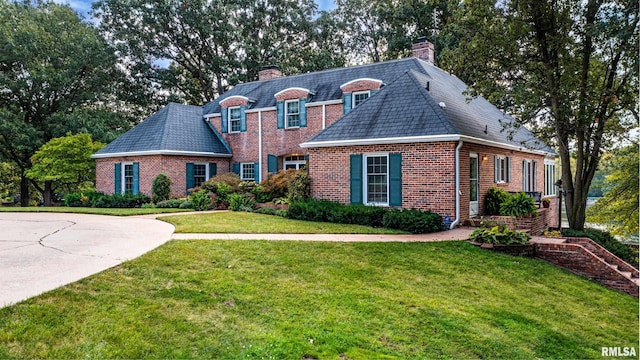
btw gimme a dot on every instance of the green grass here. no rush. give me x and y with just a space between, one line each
299 300
87 210
231 222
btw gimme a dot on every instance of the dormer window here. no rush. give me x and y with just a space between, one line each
360 96
292 111
234 119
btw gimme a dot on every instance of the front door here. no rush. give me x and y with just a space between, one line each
473 185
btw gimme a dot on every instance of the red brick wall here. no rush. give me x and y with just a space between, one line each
428 176
150 167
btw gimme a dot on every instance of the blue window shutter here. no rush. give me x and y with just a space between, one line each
256 172
508 169
534 166
243 119
280 114
372 92
225 123
395 179
355 181
495 169
118 178
303 113
190 180
346 103
272 163
236 168
136 178
213 170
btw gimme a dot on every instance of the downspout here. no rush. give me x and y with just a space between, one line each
324 116
457 219
259 146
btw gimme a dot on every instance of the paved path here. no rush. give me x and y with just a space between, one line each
42 251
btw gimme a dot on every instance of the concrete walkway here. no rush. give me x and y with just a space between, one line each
43 251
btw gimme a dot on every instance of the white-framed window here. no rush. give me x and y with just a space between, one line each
199 174
294 162
359 97
528 175
550 178
234 119
247 171
127 178
292 113
502 171
376 179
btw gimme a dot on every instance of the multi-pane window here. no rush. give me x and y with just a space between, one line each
501 169
377 175
550 178
199 174
292 113
234 119
128 178
528 175
295 162
359 97
247 171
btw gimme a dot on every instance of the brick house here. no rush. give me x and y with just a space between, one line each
398 133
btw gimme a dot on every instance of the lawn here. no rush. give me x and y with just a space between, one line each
87 210
302 300
230 222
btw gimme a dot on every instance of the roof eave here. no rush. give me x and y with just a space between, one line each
426 138
159 152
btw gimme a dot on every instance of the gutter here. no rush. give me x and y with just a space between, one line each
457 219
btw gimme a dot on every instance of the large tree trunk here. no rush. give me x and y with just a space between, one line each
47 194
24 189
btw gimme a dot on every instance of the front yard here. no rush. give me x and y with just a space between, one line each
299 300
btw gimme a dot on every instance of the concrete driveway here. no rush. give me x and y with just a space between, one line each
42 251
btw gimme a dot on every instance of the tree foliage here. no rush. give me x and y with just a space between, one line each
568 69
57 75
66 163
618 208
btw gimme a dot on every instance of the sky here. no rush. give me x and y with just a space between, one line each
84 6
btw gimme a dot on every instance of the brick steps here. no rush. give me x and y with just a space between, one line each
586 258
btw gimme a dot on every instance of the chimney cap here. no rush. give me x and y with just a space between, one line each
422 39
270 67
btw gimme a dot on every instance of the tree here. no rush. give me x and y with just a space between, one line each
57 74
618 208
66 163
568 69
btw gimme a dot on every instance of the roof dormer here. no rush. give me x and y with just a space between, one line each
357 91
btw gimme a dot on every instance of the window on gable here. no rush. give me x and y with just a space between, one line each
128 178
247 171
199 174
292 113
550 178
359 97
234 119
502 171
376 177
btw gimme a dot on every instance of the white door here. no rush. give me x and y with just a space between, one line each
473 185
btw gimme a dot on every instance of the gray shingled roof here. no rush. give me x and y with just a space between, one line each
405 108
174 128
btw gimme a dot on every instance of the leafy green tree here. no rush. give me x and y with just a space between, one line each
8 180
161 188
57 74
65 163
618 208
568 69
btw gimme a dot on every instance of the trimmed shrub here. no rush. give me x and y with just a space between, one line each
161 188
100 200
200 200
277 185
607 241
300 187
493 199
171 204
73 200
313 210
186 205
518 205
358 214
499 235
241 202
414 221
231 179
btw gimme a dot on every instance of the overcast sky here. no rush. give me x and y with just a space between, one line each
84 6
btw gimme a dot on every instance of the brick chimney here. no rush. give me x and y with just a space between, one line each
424 50
269 72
